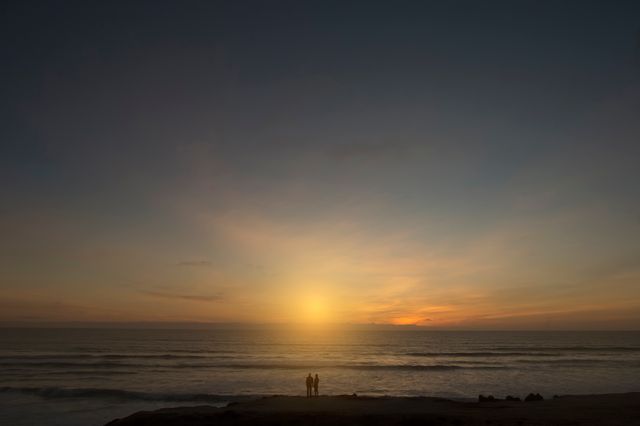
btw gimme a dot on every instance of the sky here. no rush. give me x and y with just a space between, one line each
457 165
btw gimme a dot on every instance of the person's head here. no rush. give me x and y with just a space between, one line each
309 374
316 374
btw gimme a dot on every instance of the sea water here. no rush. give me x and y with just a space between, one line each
90 376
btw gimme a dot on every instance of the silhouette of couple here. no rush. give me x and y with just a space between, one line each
312 383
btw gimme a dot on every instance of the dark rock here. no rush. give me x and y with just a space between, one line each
534 397
513 398
482 398
229 414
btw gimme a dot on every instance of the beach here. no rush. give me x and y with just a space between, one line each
603 410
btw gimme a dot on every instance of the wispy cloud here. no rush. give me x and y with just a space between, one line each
195 263
183 296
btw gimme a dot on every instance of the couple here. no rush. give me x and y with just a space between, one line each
312 382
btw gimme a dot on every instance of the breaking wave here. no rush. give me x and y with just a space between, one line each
56 392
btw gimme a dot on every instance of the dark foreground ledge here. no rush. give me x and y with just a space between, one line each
602 410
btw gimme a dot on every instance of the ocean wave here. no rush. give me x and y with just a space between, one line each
570 348
481 354
437 367
583 362
39 357
247 366
57 364
56 392
415 367
25 372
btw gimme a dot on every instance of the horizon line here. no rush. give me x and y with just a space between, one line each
201 325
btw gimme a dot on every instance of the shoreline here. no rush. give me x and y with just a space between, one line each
346 410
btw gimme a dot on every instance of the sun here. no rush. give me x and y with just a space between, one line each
313 309
310 303
317 311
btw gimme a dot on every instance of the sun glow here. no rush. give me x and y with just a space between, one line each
317 311
407 320
313 309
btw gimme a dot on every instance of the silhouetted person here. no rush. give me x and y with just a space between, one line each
309 385
316 382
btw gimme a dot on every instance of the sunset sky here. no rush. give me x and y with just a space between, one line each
447 164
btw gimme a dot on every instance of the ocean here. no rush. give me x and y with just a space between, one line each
90 376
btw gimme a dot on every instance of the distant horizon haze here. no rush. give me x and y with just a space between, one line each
297 327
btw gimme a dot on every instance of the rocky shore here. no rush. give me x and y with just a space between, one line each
602 410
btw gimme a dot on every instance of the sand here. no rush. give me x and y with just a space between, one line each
611 409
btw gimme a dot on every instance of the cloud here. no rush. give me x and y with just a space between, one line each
182 296
195 263
37 309
354 151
